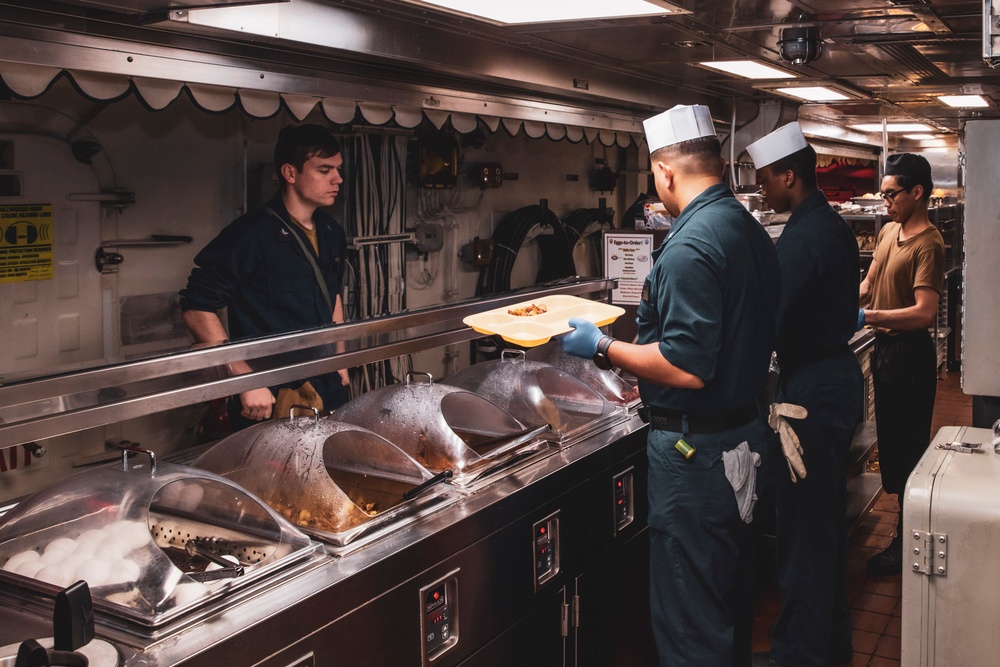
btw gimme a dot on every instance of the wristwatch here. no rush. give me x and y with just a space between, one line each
601 359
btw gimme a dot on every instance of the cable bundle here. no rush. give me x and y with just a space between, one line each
376 207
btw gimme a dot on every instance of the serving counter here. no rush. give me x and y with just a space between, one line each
541 562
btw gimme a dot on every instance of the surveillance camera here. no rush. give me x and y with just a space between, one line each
800 45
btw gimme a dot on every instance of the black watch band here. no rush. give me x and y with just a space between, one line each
601 359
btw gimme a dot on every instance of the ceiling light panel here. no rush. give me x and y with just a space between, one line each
748 69
533 11
963 101
813 93
893 127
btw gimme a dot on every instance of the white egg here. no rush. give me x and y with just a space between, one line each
61 544
191 497
89 540
20 557
30 568
55 574
170 495
189 592
134 533
93 571
123 571
54 557
113 548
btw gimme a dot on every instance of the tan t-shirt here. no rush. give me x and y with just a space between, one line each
904 266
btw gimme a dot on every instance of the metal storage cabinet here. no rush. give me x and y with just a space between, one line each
951 527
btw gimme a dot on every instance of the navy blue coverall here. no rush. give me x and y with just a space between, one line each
710 303
817 317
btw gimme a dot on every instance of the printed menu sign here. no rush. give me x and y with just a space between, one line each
627 258
26 243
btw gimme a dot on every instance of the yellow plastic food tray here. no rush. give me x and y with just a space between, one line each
533 330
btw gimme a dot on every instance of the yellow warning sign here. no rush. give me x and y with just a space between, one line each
26 243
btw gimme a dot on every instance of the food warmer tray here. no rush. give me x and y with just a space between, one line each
539 394
153 540
445 428
338 482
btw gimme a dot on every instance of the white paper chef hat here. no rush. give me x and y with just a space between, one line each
682 123
784 141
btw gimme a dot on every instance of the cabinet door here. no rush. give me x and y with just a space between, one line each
612 626
536 639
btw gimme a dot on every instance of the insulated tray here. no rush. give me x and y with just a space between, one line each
532 330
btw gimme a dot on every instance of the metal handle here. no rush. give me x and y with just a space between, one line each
411 374
420 488
137 450
307 408
516 355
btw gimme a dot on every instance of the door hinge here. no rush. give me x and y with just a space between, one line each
928 553
575 612
564 620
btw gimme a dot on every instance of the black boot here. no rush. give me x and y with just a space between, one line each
889 561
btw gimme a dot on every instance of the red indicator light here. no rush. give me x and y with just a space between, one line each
437 595
541 530
620 484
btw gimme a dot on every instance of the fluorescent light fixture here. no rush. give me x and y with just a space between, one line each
919 137
533 11
813 93
963 101
893 127
748 69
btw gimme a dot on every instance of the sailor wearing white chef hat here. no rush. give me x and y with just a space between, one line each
705 337
817 316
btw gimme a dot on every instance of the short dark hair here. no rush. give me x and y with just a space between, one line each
298 143
802 163
701 155
910 170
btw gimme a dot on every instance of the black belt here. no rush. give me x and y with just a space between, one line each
705 422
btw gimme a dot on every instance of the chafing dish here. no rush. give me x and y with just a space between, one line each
153 540
337 481
607 383
539 394
444 427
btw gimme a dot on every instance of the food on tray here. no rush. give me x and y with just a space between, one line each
528 311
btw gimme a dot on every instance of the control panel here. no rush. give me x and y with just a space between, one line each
623 499
546 548
439 617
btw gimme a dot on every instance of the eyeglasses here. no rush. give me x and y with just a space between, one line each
891 196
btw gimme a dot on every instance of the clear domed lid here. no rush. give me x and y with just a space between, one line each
536 393
442 427
335 480
152 539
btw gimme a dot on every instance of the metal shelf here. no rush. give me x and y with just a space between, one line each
56 405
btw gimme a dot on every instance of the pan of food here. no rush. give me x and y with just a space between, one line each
532 323
444 427
539 394
335 480
153 540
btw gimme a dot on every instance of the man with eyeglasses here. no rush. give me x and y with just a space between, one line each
904 284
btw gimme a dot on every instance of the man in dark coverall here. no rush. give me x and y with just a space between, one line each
817 317
258 269
706 332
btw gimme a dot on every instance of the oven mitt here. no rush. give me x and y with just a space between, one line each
790 445
305 396
741 471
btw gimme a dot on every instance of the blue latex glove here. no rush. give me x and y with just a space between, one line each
861 319
582 341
